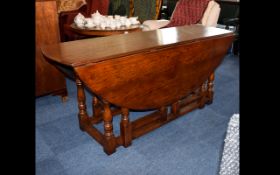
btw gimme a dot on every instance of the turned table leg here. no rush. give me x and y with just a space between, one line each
163 111
210 89
83 117
175 108
203 95
110 143
126 129
96 107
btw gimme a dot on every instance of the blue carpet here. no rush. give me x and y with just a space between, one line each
190 145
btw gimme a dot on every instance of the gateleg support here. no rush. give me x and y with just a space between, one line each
175 107
210 88
82 115
163 112
126 128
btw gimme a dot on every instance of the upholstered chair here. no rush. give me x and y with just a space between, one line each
145 9
210 11
119 7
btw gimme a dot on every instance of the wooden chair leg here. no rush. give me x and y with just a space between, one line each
83 116
126 129
110 143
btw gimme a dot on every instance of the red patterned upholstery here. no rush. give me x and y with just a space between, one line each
187 12
101 5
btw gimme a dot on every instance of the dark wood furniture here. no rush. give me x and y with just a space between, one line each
49 80
171 67
104 32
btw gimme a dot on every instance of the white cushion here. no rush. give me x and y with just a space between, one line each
214 16
154 24
211 14
207 12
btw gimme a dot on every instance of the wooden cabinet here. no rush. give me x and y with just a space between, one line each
48 79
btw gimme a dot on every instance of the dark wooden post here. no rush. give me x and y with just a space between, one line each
110 140
131 7
125 126
96 107
163 111
203 94
210 89
83 117
175 108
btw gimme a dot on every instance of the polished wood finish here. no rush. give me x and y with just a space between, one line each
210 90
126 128
82 116
158 8
110 143
96 106
48 79
131 7
171 67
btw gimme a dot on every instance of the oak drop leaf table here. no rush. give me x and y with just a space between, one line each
172 67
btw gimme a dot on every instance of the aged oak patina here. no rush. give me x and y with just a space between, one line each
154 70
